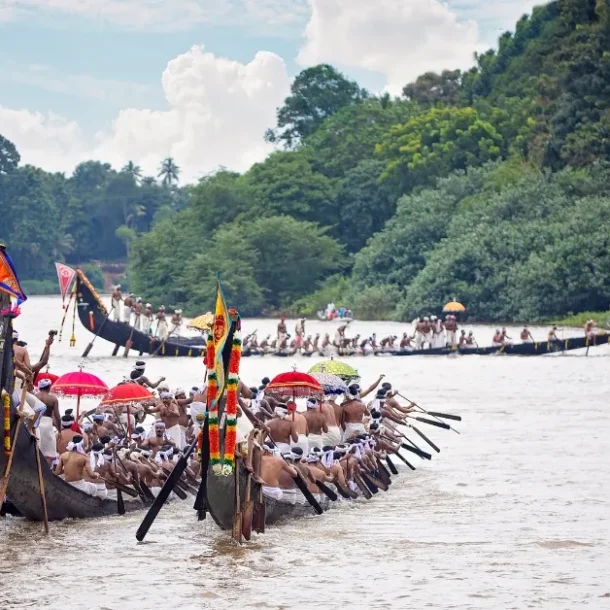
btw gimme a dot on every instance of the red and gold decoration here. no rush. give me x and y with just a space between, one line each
65 276
295 384
6 408
80 383
228 459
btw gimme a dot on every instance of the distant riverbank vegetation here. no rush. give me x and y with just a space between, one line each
491 186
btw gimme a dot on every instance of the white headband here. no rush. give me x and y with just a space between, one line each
44 383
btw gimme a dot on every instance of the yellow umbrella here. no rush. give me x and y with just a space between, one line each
202 322
453 307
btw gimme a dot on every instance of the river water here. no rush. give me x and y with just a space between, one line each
513 513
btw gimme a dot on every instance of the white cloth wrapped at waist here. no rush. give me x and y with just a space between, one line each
315 440
101 491
273 492
284 448
176 434
353 429
303 443
331 438
85 486
47 438
126 313
289 496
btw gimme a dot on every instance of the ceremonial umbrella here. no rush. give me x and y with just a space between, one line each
298 384
126 395
332 384
41 376
79 383
203 322
454 307
340 369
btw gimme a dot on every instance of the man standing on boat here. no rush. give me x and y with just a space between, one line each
50 421
590 329
161 323
137 311
128 303
316 424
282 331
147 318
526 335
116 299
299 331
176 323
498 338
451 327
552 335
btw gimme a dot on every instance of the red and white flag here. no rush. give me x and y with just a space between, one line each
65 275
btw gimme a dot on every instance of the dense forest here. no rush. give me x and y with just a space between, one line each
491 186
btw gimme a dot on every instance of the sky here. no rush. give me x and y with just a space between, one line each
200 80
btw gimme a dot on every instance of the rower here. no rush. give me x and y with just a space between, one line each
271 467
159 439
128 303
405 343
176 323
49 422
115 301
505 338
282 330
590 329
137 375
147 318
282 429
300 426
74 465
552 334
161 323
328 408
470 340
137 310
526 335
354 411
316 424
498 338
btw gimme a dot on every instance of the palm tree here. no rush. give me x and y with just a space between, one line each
149 180
169 172
135 171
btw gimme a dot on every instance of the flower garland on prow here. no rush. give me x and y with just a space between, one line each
6 402
228 458
212 406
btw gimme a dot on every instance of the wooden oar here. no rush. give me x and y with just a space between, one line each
431 422
135 483
43 497
237 516
259 512
362 487
166 490
422 454
405 460
444 415
371 478
342 491
129 343
327 491
99 330
426 439
390 464
384 475
116 349
120 487
444 425
248 511
120 505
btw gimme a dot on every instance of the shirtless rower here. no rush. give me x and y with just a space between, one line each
590 329
316 424
128 303
137 375
158 440
183 421
420 333
176 322
300 426
66 434
526 335
354 411
74 465
115 300
505 338
271 467
169 412
498 338
138 308
405 343
332 436
470 340
282 430
552 334
49 422
462 342
282 330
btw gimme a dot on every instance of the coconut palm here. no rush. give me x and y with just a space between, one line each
135 171
169 172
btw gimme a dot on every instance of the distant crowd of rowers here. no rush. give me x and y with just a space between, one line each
428 333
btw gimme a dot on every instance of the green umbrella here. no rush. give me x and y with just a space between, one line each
334 367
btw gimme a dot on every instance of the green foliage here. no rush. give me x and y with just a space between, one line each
335 289
431 89
40 287
9 157
316 94
95 275
437 142
601 318
376 303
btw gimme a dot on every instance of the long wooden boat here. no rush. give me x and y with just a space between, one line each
538 348
94 317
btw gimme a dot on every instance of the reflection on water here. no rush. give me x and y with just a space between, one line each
513 513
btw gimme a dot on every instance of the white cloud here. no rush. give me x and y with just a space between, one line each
218 112
400 39
161 14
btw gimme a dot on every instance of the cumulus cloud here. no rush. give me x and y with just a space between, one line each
400 39
218 112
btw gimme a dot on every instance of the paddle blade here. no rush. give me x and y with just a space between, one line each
391 466
120 505
445 415
362 487
166 490
422 454
87 350
259 512
300 483
426 439
327 491
246 520
431 422
405 461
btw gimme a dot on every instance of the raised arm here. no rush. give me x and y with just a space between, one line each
373 387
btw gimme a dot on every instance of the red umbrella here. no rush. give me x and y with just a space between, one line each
41 376
298 384
126 394
79 383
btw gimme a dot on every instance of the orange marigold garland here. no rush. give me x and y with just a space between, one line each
212 407
228 458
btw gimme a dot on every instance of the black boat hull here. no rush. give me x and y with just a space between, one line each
94 317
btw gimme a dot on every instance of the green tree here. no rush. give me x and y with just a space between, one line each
316 94
135 171
9 157
431 89
169 172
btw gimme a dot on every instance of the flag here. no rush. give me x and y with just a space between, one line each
220 332
9 282
65 275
